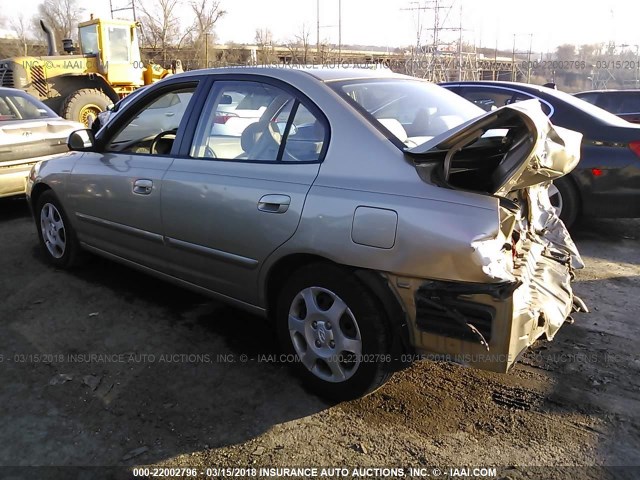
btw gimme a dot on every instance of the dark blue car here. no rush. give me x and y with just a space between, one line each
606 182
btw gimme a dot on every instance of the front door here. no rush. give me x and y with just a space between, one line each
116 192
240 193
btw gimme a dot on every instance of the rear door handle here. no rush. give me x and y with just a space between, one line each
274 203
142 186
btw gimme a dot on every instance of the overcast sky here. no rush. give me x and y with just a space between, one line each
386 23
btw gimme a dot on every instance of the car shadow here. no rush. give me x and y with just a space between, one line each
144 367
12 208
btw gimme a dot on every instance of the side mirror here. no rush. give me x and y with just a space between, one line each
81 140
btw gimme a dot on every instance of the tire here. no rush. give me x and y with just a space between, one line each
343 313
84 105
57 237
565 198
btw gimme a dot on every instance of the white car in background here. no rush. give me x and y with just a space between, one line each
28 129
238 110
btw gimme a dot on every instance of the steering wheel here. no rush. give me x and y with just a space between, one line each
153 149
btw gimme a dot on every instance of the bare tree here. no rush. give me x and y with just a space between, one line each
161 28
566 52
22 29
206 13
61 16
587 51
299 46
303 39
264 40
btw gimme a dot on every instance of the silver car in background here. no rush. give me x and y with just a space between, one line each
28 129
369 216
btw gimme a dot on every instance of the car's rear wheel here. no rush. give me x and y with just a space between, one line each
564 199
57 238
336 330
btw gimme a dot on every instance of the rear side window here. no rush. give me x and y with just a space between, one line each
489 98
412 111
255 121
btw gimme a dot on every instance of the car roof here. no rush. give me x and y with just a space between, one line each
551 95
631 90
324 73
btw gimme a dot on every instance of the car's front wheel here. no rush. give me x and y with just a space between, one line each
335 330
57 238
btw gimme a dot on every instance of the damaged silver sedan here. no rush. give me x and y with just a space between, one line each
368 216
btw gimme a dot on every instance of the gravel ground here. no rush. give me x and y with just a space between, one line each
166 385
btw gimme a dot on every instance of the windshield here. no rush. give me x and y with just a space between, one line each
413 111
19 107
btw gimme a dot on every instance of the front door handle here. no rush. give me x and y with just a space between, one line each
142 186
274 203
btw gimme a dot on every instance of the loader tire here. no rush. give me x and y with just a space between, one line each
84 105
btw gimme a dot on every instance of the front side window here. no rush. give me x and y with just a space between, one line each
413 111
89 40
154 127
256 121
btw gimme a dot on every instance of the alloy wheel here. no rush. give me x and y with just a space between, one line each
53 230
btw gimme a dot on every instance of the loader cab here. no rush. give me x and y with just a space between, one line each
115 46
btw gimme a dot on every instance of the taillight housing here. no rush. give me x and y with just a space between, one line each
635 147
223 117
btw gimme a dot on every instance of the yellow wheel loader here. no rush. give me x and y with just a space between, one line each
79 85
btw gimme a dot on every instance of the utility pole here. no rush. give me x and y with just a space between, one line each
434 55
637 65
529 58
339 30
460 48
513 60
206 49
131 6
318 29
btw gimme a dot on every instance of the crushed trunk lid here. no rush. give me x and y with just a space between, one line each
508 149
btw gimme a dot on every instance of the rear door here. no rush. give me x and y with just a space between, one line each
116 191
235 195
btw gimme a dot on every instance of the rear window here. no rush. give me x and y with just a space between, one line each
412 111
21 107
